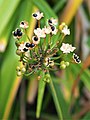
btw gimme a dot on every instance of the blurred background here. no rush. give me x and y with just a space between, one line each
18 95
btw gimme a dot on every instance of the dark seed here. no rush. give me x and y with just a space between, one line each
25 49
78 60
32 45
18 30
53 28
50 21
27 45
15 33
75 56
19 33
36 38
22 23
34 15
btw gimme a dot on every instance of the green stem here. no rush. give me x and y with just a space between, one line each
38 23
27 35
56 100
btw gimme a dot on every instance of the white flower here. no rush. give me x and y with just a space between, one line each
40 33
23 47
47 30
66 48
52 21
37 15
35 40
24 24
54 30
65 30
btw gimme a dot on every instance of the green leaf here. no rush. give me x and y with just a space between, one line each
8 68
56 100
59 5
41 88
86 117
7 10
85 76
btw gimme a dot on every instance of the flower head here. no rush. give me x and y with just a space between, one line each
23 47
52 21
40 33
37 15
24 24
47 30
66 48
36 40
65 30
54 30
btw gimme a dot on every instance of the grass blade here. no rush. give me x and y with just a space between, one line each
41 88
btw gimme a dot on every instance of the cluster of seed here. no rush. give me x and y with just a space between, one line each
76 58
17 33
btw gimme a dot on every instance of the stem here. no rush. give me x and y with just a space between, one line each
38 23
27 35
56 100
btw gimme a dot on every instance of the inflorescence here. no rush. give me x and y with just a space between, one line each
41 52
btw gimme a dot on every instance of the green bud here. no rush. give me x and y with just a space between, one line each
62 62
44 79
63 66
17 43
67 64
18 52
47 76
48 80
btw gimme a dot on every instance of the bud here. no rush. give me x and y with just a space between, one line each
62 62
17 68
48 80
19 73
67 64
63 66
23 70
61 26
18 52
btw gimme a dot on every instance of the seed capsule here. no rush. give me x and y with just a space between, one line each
32 45
53 28
49 21
27 45
25 49
15 33
34 15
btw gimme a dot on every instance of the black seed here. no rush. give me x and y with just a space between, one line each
19 33
53 28
18 30
27 45
50 21
32 45
22 23
25 49
36 38
34 15
78 60
15 33
75 56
